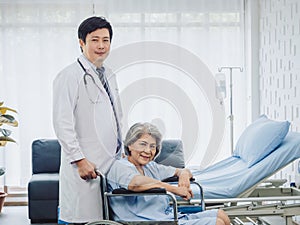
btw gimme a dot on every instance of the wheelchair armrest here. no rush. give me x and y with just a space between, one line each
175 179
126 191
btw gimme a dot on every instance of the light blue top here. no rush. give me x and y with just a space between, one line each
133 208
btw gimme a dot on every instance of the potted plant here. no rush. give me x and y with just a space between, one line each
6 120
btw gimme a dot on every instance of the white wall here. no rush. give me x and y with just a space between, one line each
280 65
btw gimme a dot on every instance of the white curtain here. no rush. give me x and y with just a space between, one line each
165 54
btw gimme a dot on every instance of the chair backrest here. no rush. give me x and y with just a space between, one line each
171 153
45 156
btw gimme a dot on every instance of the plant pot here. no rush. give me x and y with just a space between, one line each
2 198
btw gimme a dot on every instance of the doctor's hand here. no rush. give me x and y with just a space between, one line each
86 169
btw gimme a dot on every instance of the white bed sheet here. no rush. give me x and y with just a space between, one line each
231 177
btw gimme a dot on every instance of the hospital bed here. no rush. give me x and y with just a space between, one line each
245 192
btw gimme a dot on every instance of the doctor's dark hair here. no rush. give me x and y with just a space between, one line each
91 24
137 130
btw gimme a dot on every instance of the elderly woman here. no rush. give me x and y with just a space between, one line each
138 172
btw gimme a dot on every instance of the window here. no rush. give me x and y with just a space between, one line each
39 39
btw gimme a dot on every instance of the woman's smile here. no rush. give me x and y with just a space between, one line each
143 150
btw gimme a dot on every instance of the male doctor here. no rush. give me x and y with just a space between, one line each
86 121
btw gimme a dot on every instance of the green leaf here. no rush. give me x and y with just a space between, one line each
2 171
9 120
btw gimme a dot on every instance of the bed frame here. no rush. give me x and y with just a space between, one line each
270 205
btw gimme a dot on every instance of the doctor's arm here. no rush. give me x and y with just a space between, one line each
65 94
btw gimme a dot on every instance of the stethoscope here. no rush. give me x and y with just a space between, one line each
86 74
85 77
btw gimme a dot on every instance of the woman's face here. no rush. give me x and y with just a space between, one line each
143 150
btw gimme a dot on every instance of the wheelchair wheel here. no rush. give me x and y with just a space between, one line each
104 222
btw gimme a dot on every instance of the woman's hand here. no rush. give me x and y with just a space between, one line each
184 176
184 179
184 192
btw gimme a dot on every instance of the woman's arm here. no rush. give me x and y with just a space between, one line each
142 183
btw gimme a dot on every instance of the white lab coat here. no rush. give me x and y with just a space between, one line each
84 129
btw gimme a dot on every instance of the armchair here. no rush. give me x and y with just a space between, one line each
44 184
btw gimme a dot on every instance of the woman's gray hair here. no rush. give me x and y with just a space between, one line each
137 130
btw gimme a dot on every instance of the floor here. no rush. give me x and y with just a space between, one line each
16 215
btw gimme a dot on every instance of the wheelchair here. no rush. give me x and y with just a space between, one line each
184 206
171 154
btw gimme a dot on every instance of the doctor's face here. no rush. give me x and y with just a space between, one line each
97 46
143 150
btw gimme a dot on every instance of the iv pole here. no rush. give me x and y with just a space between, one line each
231 111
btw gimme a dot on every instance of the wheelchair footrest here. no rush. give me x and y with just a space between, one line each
189 209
